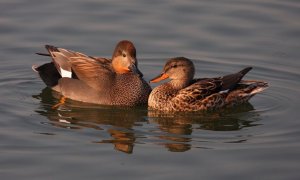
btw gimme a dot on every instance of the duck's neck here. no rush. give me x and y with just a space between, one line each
178 84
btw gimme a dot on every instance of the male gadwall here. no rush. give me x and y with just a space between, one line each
94 79
184 93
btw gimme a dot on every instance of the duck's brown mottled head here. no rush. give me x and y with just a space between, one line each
124 58
179 68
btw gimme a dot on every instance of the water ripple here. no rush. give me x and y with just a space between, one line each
220 37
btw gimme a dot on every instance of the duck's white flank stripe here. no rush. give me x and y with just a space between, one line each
65 73
224 91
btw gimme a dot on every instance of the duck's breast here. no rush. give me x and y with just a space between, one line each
161 98
130 89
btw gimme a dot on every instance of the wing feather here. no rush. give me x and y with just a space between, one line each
94 71
97 73
198 91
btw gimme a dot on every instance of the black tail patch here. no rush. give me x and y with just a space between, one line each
48 74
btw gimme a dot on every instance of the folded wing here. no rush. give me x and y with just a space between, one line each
94 71
198 90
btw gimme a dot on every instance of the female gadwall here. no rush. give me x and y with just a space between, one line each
95 79
183 93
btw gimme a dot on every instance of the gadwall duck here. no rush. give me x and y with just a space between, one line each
115 81
184 93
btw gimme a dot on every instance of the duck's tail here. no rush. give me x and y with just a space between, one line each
43 54
245 71
244 91
230 81
48 74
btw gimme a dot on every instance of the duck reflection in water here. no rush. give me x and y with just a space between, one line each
172 130
117 122
178 127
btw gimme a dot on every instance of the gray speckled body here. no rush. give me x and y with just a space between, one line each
124 90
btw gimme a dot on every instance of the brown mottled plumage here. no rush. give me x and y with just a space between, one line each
184 93
94 79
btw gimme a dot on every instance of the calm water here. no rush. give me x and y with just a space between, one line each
259 140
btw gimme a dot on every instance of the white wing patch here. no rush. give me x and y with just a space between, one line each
65 73
224 91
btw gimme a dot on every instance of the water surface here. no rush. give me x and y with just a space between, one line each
258 140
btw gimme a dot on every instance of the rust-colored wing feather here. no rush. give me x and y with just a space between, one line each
95 72
61 57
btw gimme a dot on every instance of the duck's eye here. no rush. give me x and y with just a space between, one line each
124 55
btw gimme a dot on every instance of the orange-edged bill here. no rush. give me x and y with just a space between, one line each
160 77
